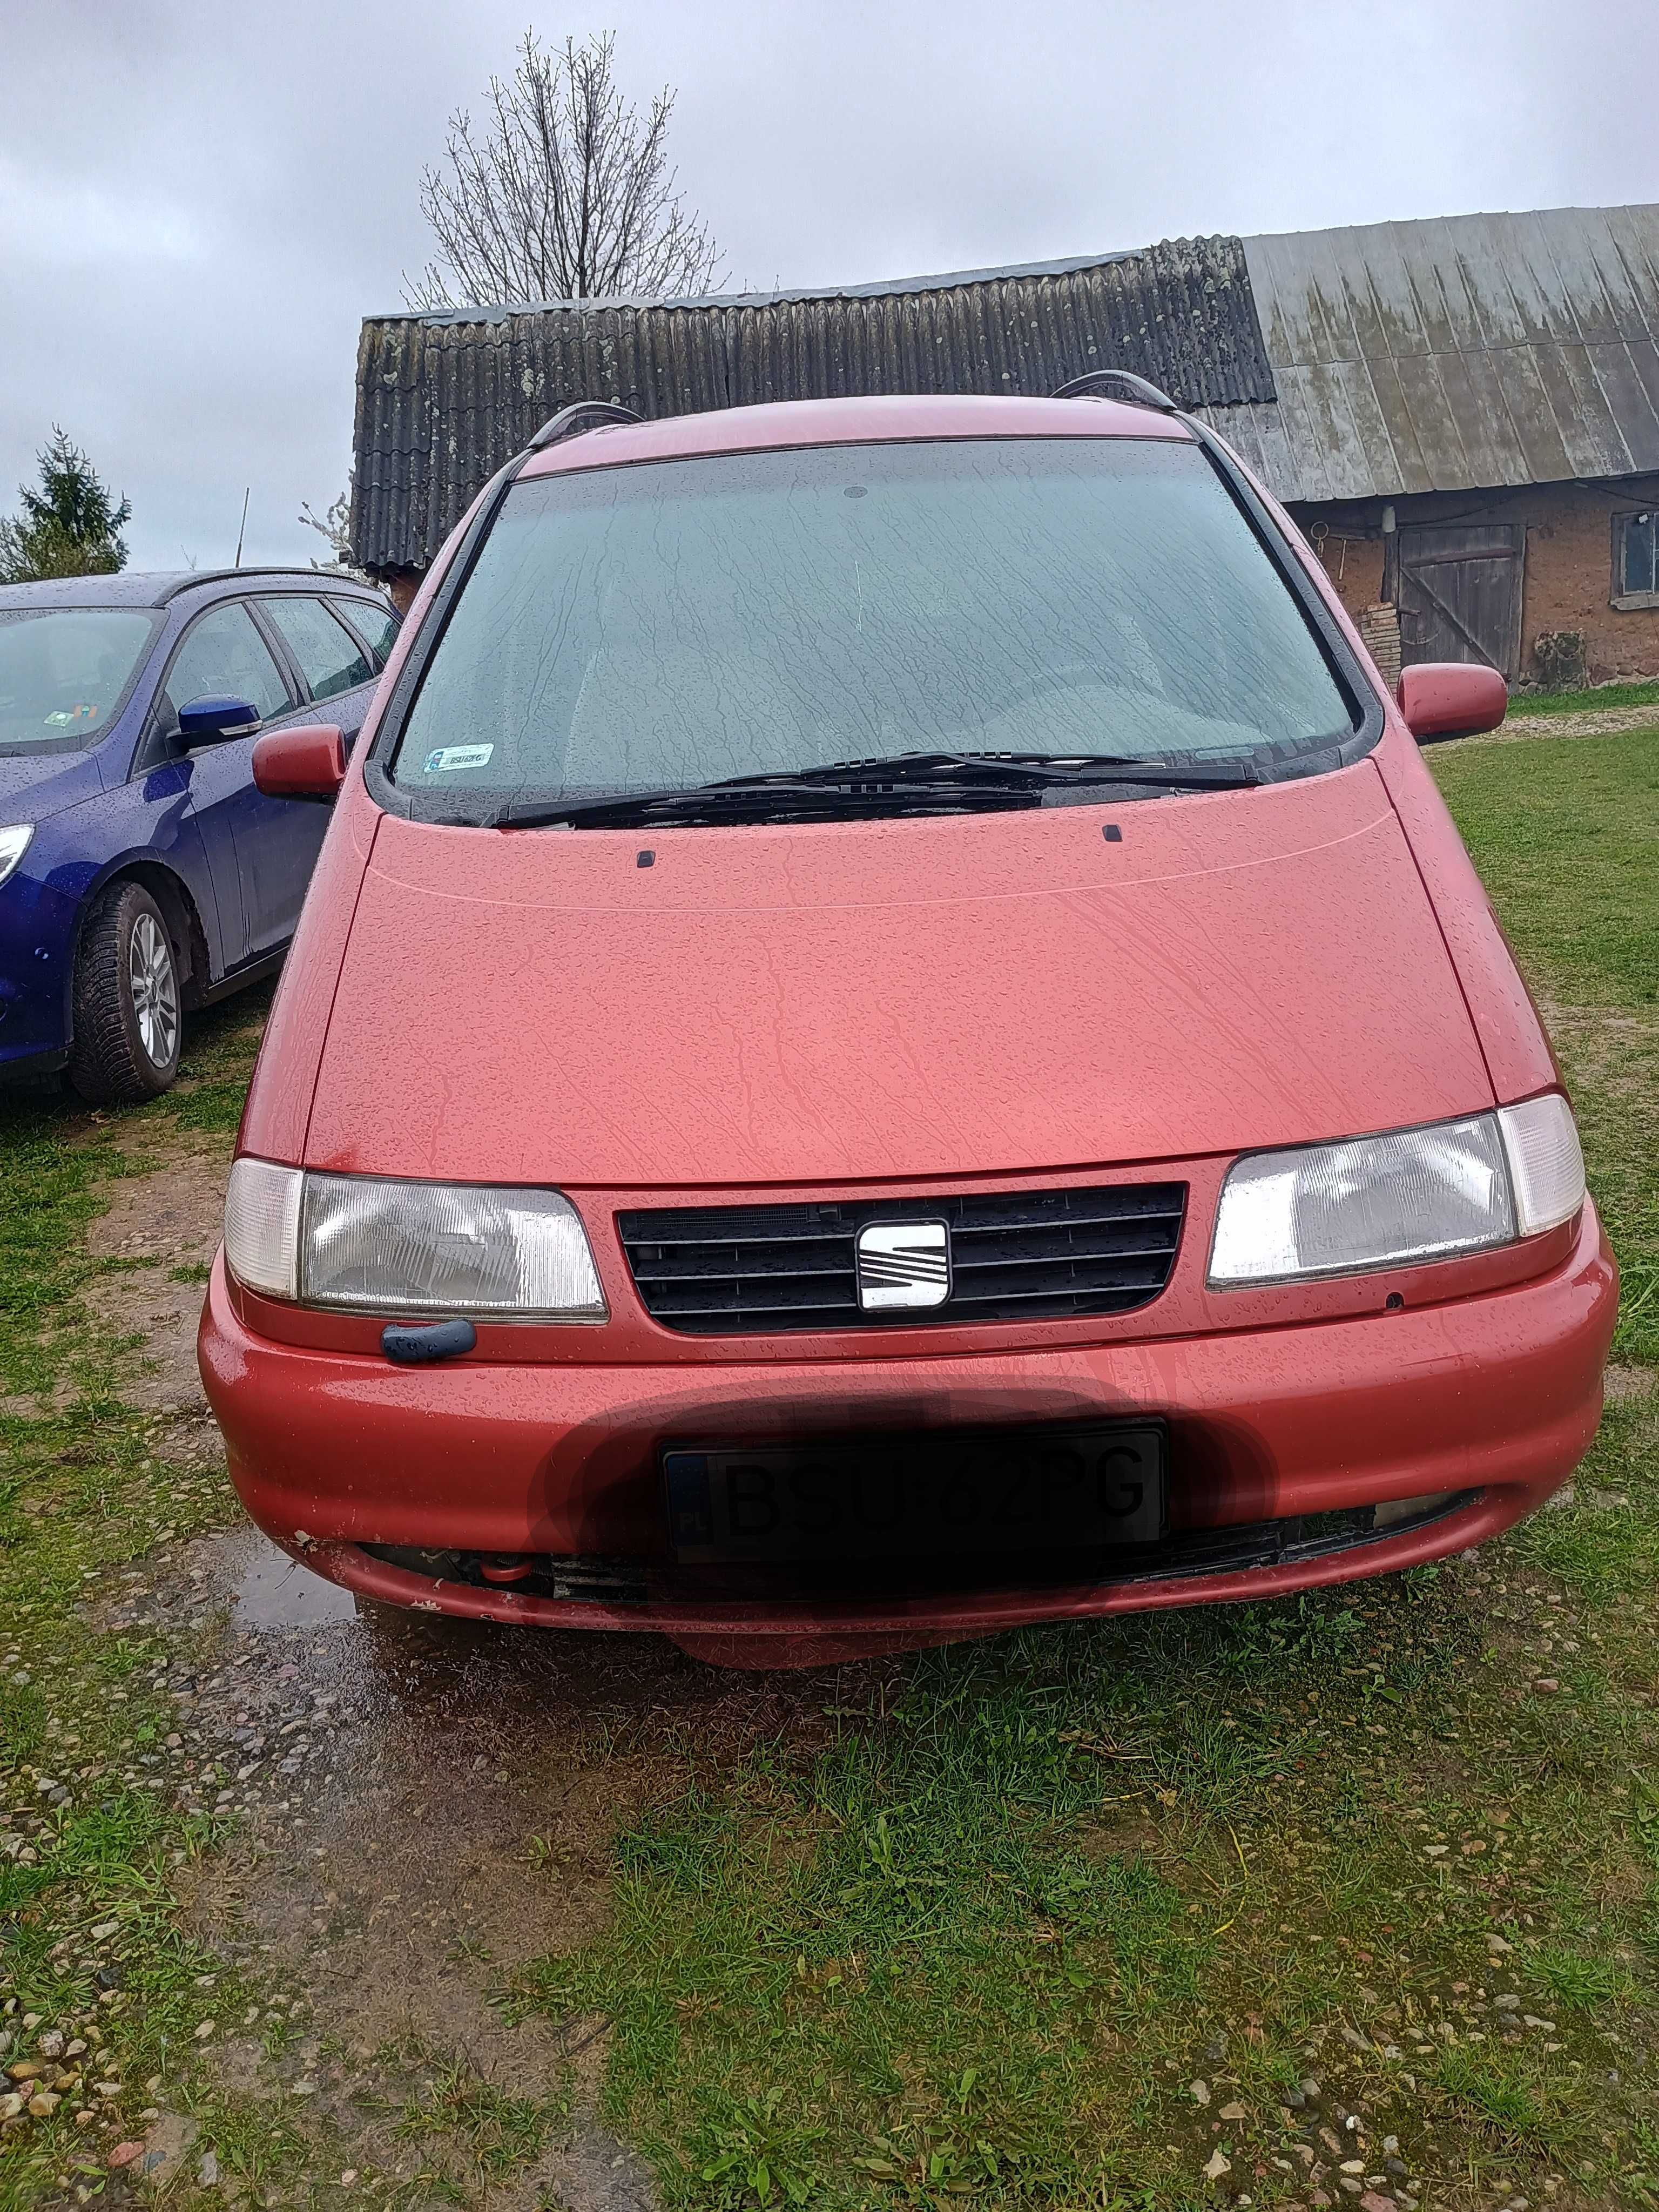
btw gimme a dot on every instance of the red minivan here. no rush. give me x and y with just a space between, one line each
891 1038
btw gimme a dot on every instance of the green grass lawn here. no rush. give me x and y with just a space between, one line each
1068 1919
1585 703
1566 836
86 1486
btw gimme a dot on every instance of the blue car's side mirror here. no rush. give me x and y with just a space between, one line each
211 721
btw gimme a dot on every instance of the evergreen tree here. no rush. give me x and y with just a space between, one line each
70 528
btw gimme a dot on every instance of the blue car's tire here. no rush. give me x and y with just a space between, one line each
128 1001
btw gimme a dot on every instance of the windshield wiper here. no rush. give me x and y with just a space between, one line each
905 782
1050 769
766 799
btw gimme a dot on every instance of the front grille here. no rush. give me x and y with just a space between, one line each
1019 1256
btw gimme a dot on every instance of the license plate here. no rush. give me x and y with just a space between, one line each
941 1492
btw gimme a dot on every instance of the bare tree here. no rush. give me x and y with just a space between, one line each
563 193
335 525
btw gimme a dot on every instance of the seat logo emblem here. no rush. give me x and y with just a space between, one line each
902 1264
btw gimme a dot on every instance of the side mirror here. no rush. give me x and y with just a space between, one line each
1451 699
211 721
307 763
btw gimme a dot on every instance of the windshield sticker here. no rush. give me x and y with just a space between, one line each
72 718
448 756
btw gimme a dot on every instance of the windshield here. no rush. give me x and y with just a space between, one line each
674 624
64 671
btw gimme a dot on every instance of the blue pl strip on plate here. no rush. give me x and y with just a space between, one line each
690 1515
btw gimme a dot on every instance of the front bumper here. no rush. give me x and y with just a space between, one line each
1496 1395
37 946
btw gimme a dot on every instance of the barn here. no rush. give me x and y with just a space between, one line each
1461 414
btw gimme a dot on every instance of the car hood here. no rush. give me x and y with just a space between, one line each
848 1001
35 785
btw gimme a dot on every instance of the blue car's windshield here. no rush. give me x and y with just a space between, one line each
64 671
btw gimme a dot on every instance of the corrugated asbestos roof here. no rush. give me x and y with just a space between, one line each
443 400
1469 352
1473 350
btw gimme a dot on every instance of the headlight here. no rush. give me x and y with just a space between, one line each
367 1246
14 843
1410 1195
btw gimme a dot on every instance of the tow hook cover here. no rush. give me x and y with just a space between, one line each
417 1346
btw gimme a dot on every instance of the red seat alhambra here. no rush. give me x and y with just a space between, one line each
891 1038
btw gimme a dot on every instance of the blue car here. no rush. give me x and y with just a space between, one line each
141 875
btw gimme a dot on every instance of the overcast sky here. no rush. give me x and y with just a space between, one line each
198 204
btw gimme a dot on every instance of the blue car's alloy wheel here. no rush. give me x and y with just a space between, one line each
155 990
127 1001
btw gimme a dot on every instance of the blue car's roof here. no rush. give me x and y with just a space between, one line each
158 588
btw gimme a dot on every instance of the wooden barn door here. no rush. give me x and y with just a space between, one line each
1458 593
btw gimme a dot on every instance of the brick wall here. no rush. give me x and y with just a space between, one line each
1568 562
1379 625
1569 582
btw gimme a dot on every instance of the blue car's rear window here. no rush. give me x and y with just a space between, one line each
64 673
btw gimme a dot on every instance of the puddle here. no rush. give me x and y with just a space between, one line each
274 1592
416 1810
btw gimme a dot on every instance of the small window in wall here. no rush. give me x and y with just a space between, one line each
1636 559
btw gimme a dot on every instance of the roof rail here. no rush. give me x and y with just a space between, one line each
570 422
584 415
177 586
1131 388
